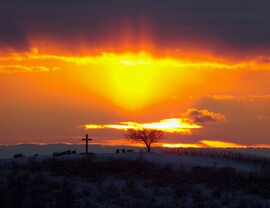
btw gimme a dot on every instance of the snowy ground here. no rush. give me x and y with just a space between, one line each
131 180
187 161
175 160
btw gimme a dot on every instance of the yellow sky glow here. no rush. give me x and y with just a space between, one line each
132 81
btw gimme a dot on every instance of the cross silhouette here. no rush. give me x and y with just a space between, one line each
86 143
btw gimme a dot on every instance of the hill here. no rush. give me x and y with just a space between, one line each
132 180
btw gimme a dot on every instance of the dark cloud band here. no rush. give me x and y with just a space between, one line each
225 25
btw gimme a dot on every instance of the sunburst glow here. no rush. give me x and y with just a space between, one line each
131 81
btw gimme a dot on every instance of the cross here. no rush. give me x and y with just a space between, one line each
86 143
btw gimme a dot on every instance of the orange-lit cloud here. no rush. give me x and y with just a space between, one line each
129 58
172 125
240 98
192 119
221 144
181 145
22 68
224 144
214 144
206 144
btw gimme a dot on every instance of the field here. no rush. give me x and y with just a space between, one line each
133 180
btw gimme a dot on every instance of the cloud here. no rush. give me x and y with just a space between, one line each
203 116
181 145
221 25
170 125
221 144
127 59
192 119
207 144
240 98
226 144
20 68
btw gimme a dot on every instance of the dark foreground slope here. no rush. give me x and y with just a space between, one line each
124 182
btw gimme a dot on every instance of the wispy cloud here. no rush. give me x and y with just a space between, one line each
239 97
146 58
21 60
126 58
21 68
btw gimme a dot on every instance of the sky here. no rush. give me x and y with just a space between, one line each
197 70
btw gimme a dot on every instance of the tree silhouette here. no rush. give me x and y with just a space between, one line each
146 136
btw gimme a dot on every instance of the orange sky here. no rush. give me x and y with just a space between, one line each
113 67
49 96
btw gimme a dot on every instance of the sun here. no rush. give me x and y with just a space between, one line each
133 86
130 81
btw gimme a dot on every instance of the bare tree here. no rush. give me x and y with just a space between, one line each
146 136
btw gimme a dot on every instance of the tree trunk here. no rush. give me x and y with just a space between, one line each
148 148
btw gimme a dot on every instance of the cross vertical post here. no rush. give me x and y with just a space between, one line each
86 143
